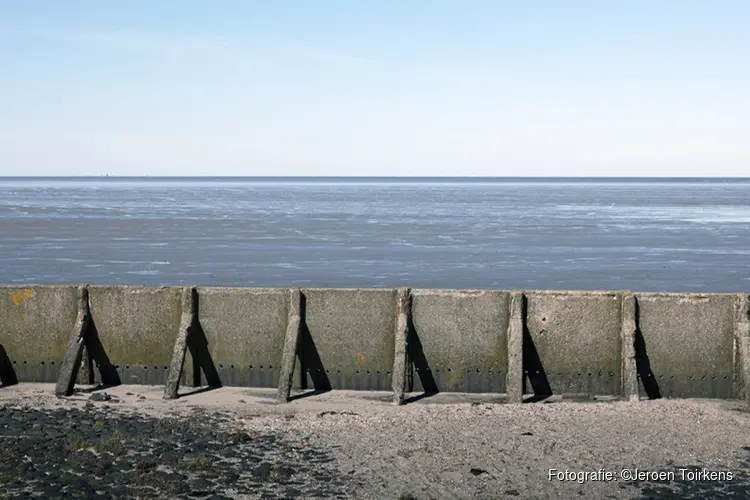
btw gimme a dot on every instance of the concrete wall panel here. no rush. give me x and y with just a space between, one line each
577 338
35 324
352 331
462 336
688 340
245 329
137 328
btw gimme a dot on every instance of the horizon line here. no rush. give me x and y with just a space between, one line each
105 177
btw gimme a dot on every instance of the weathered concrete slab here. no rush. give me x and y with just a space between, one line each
187 326
245 329
688 341
577 338
514 379
136 327
71 362
35 323
352 331
463 338
291 346
742 346
401 374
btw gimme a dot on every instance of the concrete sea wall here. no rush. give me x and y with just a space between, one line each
620 344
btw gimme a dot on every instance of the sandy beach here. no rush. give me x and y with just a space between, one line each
127 442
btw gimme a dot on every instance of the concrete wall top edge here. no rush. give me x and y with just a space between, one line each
45 287
456 292
575 293
133 287
351 290
237 289
689 295
382 289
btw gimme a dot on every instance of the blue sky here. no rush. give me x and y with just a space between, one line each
494 88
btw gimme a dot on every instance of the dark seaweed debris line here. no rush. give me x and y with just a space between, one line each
88 453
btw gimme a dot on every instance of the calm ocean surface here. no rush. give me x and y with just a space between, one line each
502 234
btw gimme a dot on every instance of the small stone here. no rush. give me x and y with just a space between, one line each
100 397
262 471
199 484
241 438
230 477
145 465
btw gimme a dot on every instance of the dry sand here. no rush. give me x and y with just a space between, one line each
462 447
